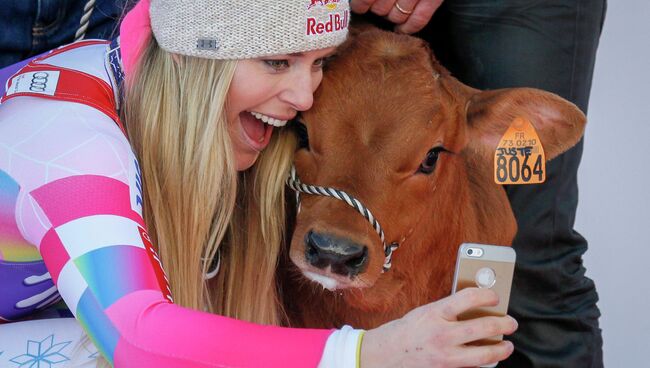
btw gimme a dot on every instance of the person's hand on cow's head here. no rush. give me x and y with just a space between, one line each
410 16
432 335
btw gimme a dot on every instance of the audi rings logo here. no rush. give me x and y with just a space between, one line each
39 82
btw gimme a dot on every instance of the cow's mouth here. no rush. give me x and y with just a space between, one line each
326 278
331 281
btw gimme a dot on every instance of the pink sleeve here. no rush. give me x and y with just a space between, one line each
163 334
80 184
102 263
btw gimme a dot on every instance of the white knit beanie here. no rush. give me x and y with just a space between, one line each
241 29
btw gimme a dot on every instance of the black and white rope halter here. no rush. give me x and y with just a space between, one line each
294 183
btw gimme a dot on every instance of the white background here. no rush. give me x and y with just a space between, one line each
614 182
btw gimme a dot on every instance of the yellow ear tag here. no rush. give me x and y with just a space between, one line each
519 157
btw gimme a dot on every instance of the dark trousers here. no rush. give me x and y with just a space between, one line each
551 45
31 27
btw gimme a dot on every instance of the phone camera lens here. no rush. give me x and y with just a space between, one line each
474 252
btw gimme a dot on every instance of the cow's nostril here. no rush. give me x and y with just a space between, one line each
312 254
312 251
356 264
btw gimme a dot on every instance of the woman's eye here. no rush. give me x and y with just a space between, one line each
429 163
280 64
319 63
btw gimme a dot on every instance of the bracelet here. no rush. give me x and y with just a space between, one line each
359 348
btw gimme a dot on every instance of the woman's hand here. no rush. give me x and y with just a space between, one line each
410 16
432 336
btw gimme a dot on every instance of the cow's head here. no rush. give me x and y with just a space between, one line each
394 129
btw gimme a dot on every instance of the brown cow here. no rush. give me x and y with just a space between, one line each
394 129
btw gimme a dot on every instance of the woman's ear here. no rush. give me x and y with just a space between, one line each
176 58
558 123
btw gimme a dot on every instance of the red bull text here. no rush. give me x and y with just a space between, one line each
335 22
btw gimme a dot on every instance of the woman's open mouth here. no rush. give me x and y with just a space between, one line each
258 128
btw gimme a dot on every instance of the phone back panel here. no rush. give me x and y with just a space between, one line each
502 262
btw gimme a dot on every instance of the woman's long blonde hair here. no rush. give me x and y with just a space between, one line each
195 201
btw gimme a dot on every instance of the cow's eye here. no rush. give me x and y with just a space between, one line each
301 132
429 163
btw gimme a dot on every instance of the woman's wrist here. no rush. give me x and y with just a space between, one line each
377 344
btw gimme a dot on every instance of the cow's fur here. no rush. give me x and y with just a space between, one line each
383 104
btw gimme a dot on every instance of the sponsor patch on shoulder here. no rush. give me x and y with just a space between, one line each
43 82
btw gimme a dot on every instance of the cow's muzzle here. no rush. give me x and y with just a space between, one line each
344 256
294 183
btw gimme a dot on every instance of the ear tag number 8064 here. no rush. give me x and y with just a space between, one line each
519 157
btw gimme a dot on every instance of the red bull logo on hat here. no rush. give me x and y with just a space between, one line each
326 17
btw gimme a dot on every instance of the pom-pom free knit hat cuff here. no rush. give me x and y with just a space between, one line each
239 29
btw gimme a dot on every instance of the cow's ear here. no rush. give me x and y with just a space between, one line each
558 123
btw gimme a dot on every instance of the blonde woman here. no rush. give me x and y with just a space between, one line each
202 103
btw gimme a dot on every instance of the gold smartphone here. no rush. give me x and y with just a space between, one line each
485 266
